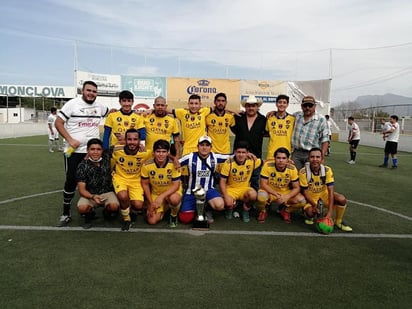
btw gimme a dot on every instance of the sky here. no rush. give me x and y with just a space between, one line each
364 46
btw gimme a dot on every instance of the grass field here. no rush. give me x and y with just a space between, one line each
234 265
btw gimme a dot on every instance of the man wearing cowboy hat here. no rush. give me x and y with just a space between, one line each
250 127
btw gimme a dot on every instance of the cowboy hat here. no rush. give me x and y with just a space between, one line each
251 100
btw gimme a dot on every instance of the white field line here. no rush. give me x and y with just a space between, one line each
381 209
28 196
202 233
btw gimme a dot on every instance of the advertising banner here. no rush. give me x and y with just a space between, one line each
144 87
179 90
37 91
107 85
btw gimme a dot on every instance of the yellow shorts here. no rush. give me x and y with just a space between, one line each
164 207
133 187
323 195
238 193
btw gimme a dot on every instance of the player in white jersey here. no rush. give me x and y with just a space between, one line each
78 122
51 129
391 146
353 139
202 167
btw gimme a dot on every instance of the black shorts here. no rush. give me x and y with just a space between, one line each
391 147
354 143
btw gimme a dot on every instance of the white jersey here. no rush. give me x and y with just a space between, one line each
354 129
82 120
50 123
201 171
394 136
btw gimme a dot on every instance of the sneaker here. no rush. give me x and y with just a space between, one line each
309 221
351 162
394 167
342 226
383 165
245 216
236 214
64 221
229 214
209 217
126 225
285 216
262 216
173 221
51 150
87 225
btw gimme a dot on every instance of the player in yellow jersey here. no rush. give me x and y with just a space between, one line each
192 123
118 122
235 178
279 184
280 127
127 161
161 185
159 125
218 125
317 182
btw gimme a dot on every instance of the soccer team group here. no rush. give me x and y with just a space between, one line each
153 163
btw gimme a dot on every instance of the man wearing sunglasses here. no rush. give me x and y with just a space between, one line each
311 131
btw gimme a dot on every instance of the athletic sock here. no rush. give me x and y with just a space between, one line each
340 211
394 161
125 214
67 201
385 160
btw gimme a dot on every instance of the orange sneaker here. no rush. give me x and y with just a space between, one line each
285 216
262 216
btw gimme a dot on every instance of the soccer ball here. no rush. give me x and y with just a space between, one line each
324 225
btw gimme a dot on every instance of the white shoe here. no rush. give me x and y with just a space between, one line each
50 150
351 162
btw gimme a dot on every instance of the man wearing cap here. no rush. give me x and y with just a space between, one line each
251 127
311 131
202 167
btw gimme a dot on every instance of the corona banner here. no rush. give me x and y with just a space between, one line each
179 90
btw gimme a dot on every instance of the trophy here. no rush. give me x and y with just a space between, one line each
200 223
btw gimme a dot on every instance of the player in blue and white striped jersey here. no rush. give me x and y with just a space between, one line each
202 167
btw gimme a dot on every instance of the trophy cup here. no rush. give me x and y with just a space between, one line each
200 223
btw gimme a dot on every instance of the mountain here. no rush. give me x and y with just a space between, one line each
380 100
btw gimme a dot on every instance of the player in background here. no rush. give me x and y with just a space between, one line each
94 181
161 185
53 133
159 125
201 168
329 124
279 126
127 161
317 182
353 139
77 122
117 123
235 178
279 184
391 145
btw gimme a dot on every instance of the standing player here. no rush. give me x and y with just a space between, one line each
279 183
235 178
78 121
219 123
94 180
280 127
391 145
161 185
118 122
159 125
353 139
53 133
317 182
201 167
127 161
193 123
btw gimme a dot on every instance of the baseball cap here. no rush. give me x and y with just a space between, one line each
205 138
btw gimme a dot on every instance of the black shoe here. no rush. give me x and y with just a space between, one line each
383 165
394 167
126 225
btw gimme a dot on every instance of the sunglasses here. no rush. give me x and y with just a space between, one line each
308 105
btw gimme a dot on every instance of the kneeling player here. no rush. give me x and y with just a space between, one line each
94 181
235 178
161 185
317 182
279 183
